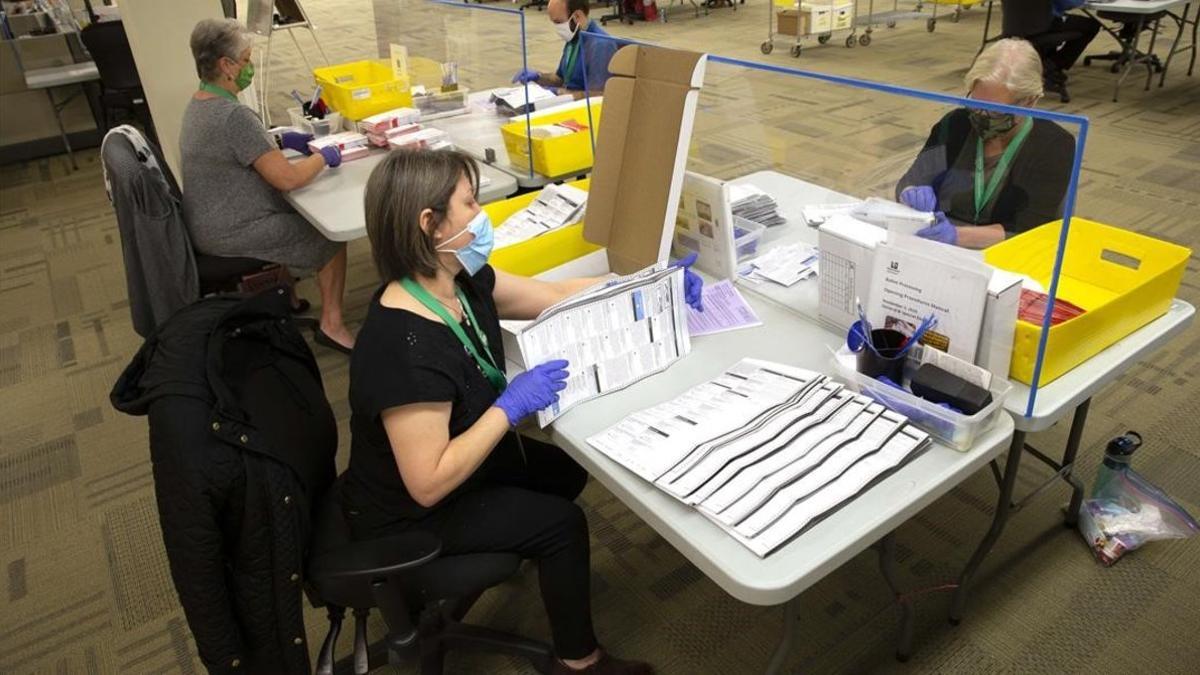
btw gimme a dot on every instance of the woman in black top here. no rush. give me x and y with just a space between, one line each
431 420
988 175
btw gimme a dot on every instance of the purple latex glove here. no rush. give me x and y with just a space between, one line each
533 390
525 76
920 197
693 285
941 230
333 156
294 140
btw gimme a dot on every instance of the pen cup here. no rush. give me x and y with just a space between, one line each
884 358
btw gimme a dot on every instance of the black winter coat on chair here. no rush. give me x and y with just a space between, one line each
243 444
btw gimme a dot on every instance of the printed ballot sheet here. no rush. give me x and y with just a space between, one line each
612 335
764 450
555 206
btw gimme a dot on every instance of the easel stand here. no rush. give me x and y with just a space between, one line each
261 20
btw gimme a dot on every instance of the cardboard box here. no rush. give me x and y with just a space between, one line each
999 323
791 22
641 150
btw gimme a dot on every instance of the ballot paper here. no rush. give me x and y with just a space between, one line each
764 450
752 203
724 310
515 99
785 265
612 334
555 206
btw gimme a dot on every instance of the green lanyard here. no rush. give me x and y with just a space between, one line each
982 196
572 56
214 89
485 362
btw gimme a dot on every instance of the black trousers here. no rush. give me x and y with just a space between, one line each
1070 51
526 505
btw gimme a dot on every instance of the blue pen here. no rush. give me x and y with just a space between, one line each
926 324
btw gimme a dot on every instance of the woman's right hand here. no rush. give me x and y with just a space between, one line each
533 390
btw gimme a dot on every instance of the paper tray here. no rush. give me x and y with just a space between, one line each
954 429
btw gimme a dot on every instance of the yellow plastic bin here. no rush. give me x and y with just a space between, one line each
362 88
557 156
1122 279
543 252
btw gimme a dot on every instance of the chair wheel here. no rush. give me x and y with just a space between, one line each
850 41
1114 68
796 51
930 25
891 24
954 17
822 39
864 39
766 47
1087 61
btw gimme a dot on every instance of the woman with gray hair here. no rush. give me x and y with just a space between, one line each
234 174
987 175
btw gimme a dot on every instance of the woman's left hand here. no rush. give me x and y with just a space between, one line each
693 285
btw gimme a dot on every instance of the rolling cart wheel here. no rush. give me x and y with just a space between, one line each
822 39
930 25
891 24
954 17
766 47
627 20
864 39
1114 68
1087 61
919 5
796 51
850 41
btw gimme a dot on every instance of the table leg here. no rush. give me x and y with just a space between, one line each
1068 462
1150 55
1195 23
1129 56
791 623
1004 508
887 566
62 131
987 24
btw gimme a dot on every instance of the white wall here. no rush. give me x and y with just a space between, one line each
158 33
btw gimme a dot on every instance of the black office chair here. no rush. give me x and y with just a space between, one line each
1131 27
1032 20
421 595
120 86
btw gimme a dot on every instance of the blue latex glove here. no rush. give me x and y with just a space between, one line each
919 197
525 76
533 390
294 140
693 285
333 156
941 230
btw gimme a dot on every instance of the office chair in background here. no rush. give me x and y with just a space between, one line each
1033 20
421 595
120 86
1128 35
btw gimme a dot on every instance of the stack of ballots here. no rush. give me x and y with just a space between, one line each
751 203
764 450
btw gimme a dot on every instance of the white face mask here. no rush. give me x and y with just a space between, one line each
567 29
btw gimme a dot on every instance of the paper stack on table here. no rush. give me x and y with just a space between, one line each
513 99
751 203
764 450
352 144
376 127
555 206
613 335
414 136
784 265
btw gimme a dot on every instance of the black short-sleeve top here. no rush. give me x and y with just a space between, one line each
401 358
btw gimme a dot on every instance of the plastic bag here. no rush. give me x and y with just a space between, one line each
1125 510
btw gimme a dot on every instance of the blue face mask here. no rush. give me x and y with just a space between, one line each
475 254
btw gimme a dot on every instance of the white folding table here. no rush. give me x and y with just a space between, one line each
59 76
333 203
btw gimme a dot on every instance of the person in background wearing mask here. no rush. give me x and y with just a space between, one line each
234 173
433 445
988 175
570 18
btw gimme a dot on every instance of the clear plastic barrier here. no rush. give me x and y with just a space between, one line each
797 180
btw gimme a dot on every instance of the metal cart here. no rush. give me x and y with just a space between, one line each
823 37
960 6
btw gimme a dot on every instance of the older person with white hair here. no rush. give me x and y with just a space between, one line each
235 174
988 175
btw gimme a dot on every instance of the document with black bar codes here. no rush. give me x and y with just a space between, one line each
612 336
764 450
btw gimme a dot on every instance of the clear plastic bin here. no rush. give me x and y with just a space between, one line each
746 235
435 104
954 429
332 123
